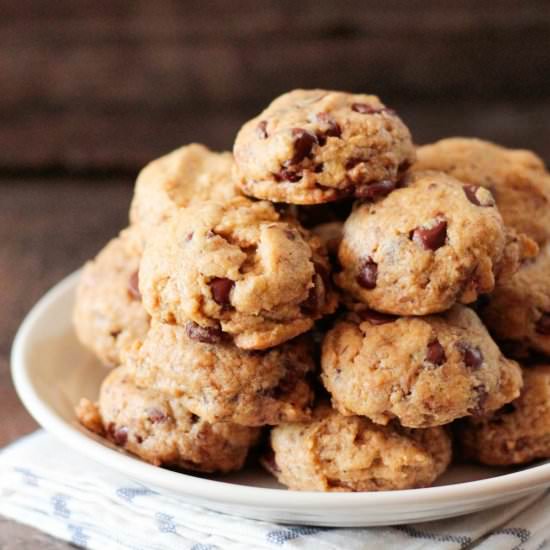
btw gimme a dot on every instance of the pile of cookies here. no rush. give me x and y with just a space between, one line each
327 295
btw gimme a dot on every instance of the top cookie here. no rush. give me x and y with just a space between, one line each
516 178
236 268
188 174
315 146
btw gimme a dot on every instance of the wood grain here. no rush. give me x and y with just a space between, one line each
46 231
110 85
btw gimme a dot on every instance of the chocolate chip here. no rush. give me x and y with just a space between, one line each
303 144
431 238
368 274
318 168
138 439
286 174
332 128
133 286
375 190
543 325
261 129
189 236
206 335
366 109
375 317
471 193
118 435
353 162
436 353
221 289
194 418
156 415
473 358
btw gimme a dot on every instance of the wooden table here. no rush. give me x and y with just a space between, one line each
48 228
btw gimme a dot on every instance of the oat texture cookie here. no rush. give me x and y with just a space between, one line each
189 174
517 179
315 146
236 269
517 433
350 453
423 371
161 430
518 311
221 382
108 314
425 247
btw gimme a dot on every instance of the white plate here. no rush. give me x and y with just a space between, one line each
52 371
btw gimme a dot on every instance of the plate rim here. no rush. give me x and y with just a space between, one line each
224 491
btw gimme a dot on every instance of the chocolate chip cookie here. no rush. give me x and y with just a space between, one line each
424 371
108 314
315 146
235 269
221 382
517 179
350 453
517 433
186 175
425 247
161 430
518 311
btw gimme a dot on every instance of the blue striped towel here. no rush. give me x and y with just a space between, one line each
54 489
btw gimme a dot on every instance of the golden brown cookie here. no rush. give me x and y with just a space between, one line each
161 430
350 453
189 174
237 269
517 433
221 382
518 311
423 371
108 315
315 146
425 247
516 178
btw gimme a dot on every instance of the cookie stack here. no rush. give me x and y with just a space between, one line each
315 286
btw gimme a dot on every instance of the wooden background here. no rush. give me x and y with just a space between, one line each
92 90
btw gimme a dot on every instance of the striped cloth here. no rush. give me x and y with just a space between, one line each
70 497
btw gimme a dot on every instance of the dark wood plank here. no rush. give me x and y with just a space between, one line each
46 231
124 141
110 85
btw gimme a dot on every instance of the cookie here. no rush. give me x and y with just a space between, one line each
108 315
235 269
518 311
350 453
189 174
423 371
221 382
161 430
517 433
516 178
425 247
316 146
